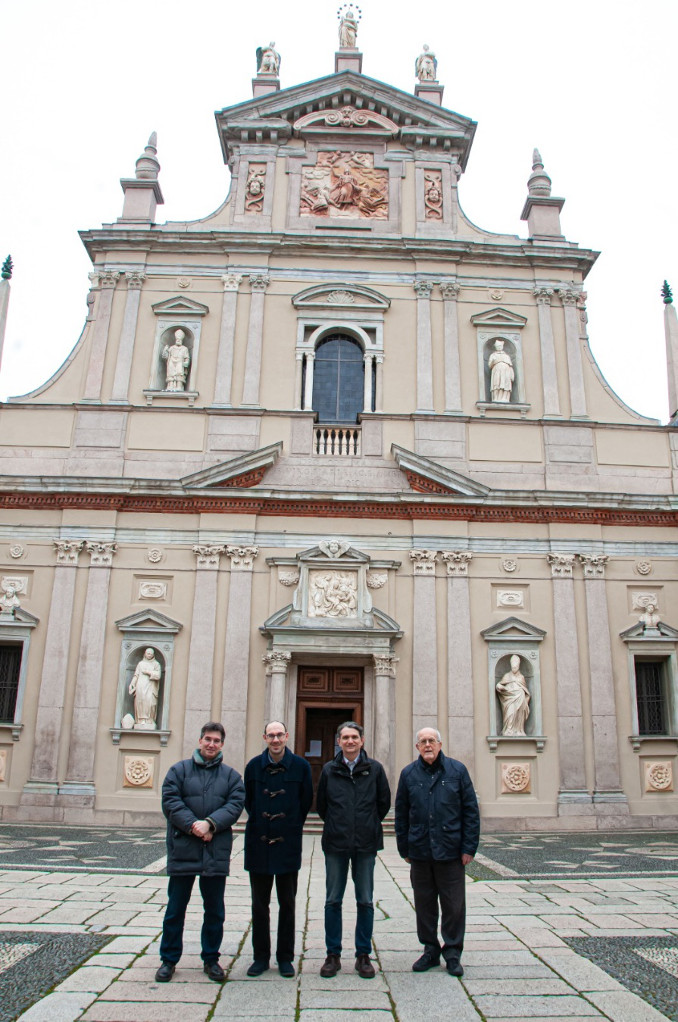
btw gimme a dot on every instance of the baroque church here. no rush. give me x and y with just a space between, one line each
334 452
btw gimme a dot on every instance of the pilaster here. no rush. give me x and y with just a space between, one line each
423 289
424 641
276 662
575 367
201 651
255 337
106 282
237 652
460 730
547 346
384 711
224 371
453 401
123 366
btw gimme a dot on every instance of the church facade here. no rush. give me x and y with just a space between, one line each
334 452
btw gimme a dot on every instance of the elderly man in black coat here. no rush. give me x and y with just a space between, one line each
202 798
437 825
278 796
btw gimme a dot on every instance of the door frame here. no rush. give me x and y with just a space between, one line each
354 711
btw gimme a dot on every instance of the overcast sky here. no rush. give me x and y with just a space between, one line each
591 83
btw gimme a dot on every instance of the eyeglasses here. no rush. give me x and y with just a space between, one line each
278 735
427 741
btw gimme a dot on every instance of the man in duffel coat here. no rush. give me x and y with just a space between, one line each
202 798
353 798
437 824
278 796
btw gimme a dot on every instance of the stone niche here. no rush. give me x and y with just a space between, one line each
174 314
142 631
513 637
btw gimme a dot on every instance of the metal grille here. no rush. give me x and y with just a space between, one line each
651 697
10 663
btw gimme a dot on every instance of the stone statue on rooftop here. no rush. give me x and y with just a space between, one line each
268 60
426 66
348 26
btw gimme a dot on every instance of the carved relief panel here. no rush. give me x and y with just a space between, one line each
344 184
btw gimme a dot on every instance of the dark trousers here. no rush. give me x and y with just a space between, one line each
179 890
444 883
261 885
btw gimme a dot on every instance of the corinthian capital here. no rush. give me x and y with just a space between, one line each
259 281
457 561
594 564
424 561
101 554
105 278
568 296
68 550
242 557
561 565
543 295
276 661
134 280
231 281
208 556
385 664
449 290
423 288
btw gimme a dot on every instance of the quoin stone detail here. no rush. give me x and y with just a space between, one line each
516 778
137 772
659 776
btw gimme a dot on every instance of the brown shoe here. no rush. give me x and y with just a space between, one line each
331 966
364 967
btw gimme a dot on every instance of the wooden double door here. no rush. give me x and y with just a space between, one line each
326 697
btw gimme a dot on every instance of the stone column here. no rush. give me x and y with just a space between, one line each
573 789
255 340
607 784
450 292
80 770
575 369
367 382
237 655
298 377
424 641
123 366
379 395
42 785
224 380
460 715
97 355
423 289
384 712
201 651
276 662
547 346
308 388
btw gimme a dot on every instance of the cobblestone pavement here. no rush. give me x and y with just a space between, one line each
82 943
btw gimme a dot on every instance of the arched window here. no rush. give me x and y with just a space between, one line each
338 379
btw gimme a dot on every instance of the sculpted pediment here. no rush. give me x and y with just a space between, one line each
148 620
180 306
499 319
345 120
244 471
427 476
513 628
640 631
332 296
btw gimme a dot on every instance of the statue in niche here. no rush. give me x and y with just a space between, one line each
333 594
268 60
254 189
502 373
426 66
433 196
178 357
144 686
514 697
348 27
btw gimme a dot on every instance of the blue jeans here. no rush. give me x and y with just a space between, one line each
336 874
179 890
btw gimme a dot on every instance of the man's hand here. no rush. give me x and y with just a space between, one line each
466 858
202 829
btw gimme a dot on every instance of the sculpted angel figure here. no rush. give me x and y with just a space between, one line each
426 66
178 358
502 373
144 687
268 60
514 697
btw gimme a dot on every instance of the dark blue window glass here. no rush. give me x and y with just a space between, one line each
338 380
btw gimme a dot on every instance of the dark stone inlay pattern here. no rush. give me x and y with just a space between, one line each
107 849
26 980
584 856
618 957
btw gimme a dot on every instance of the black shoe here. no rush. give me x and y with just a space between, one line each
214 971
454 967
286 969
428 960
331 966
258 966
165 972
364 967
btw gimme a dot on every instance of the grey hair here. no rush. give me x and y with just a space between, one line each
435 731
352 724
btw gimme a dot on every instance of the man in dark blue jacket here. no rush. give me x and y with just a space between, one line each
437 824
353 798
201 798
278 796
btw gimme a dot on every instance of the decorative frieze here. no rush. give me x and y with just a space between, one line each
208 556
101 554
659 775
516 778
561 565
137 772
457 561
68 550
594 564
424 561
242 557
